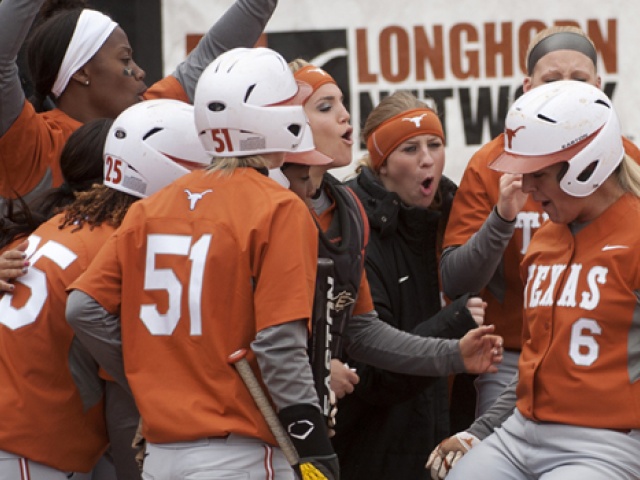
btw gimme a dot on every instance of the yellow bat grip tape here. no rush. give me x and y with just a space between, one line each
309 472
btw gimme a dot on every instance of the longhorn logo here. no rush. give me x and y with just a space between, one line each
416 120
511 134
195 197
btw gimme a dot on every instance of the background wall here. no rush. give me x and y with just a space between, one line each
464 54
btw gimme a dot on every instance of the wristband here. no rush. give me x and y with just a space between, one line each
308 431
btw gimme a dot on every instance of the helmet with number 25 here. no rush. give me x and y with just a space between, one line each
247 102
149 145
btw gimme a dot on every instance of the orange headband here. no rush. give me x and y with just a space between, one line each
395 130
314 76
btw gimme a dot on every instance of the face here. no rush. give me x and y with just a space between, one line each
562 65
299 179
116 81
414 169
329 120
544 187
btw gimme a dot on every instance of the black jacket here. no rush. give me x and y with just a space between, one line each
389 425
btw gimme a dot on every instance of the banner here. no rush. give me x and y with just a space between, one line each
465 57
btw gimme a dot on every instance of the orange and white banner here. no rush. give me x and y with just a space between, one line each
467 56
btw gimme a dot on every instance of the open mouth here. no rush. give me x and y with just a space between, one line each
427 183
347 135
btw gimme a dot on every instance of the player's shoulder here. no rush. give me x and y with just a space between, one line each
487 153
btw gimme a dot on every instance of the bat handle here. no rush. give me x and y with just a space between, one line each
238 360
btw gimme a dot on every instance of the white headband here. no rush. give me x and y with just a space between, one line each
92 30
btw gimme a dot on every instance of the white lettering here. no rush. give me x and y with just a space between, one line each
591 299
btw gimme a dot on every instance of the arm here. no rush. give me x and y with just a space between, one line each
281 352
16 17
494 417
453 321
450 450
372 341
240 26
381 387
481 254
99 332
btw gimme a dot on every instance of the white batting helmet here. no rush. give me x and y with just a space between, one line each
149 145
247 102
563 121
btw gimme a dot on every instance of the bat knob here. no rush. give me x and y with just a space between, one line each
237 355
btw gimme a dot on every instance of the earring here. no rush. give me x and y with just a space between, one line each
86 82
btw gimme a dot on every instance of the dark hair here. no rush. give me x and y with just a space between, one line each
45 51
81 164
96 206
51 7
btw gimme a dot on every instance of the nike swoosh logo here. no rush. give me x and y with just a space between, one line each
606 248
403 279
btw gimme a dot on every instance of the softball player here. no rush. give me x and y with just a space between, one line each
83 61
343 232
216 262
578 388
491 215
52 433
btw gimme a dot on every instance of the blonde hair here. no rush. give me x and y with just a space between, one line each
547 32
227 165
298 64
628 175
396 103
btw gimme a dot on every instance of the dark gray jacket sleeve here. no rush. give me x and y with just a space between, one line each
16 17
481 255
501 409
99 332
281 352
370 340
382 387
240 26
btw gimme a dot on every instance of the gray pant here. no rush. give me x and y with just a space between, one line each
526 450
231 458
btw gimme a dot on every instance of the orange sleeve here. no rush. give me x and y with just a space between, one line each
364 302
169 87
102 279
31 146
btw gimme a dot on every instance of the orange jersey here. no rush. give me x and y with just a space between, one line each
42 413
30 149
476 197
579 361
194 272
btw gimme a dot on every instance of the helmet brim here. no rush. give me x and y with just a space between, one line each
512 162
310 157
